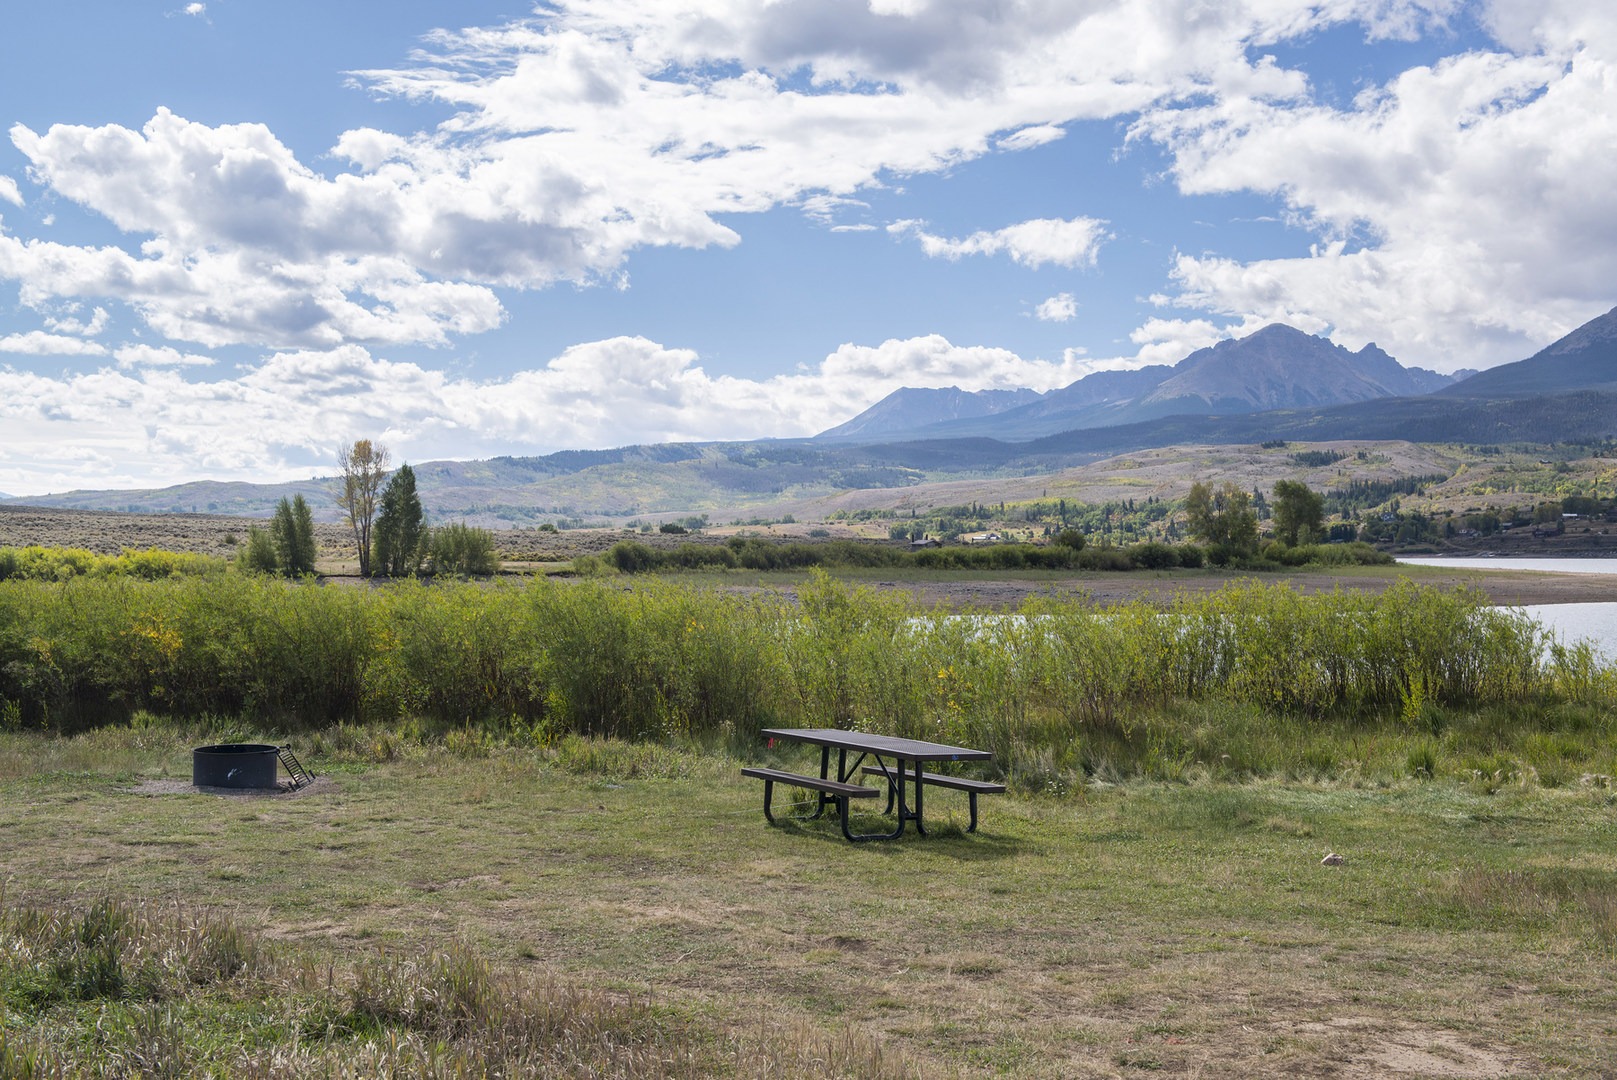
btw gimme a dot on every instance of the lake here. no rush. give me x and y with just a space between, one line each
1555 566
1596 623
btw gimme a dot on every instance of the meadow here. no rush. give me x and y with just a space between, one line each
600 908
530 851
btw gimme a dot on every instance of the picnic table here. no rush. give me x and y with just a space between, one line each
897 761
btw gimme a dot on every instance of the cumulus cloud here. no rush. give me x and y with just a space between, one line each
39 343
70 323
592 129
9 191
1029 243
1059 308
147 423
1467 211
134 356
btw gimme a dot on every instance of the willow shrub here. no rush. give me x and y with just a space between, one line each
1060 679
60 564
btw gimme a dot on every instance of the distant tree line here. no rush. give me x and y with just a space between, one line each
383 511
1068 551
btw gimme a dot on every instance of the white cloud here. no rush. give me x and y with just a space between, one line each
1059 308
1030 243
592 129
1029 137
70 323
144 422
1168 341
39 343
196 9
133 356
1467 211
824 208
9 192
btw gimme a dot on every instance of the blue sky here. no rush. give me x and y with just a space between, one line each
236 234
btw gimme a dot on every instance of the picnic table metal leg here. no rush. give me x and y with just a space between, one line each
769 791
825 774
898 829
920 824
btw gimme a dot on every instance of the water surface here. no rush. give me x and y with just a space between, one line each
1557 566
1594 623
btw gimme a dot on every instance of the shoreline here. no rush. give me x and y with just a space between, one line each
1106 589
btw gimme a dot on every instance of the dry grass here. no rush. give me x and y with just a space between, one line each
1187 929
1165 473
208 534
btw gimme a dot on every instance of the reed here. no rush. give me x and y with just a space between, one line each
1062 687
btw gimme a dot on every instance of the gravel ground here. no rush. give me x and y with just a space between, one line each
321 785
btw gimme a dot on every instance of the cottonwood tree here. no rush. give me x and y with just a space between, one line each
401 539
1222 517
364 466
1299 513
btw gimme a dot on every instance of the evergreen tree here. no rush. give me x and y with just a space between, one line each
303 520
400 537
293 532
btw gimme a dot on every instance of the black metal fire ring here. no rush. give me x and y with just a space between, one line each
235 765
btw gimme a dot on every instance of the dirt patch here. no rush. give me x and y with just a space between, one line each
1357 1047
321 785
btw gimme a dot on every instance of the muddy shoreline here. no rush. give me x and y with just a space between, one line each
1512 587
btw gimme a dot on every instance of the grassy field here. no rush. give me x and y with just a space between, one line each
415 911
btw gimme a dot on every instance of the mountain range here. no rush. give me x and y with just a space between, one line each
1278 383
1585 359
896 411
1278 367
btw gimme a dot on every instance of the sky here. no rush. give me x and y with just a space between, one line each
236 234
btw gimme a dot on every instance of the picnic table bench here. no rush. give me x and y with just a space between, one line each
972 788
898 761
832 789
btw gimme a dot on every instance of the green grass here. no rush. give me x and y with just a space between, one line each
437 897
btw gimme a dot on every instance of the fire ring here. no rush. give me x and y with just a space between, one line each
235 765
